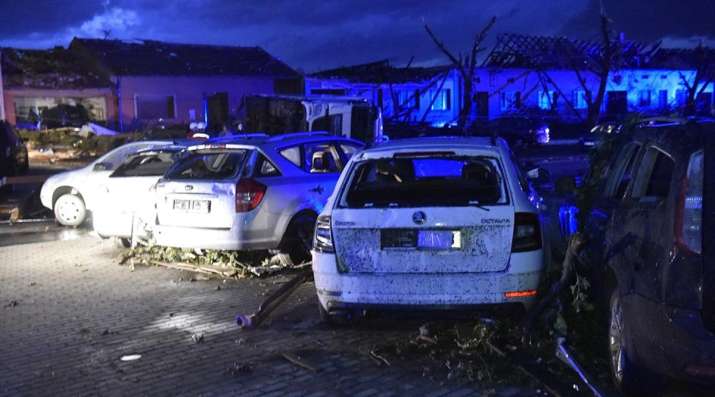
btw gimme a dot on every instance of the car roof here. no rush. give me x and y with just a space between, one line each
496 145
274 141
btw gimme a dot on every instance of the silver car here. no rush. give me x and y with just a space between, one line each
250 192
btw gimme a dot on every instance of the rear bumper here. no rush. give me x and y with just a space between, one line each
235 238
428 290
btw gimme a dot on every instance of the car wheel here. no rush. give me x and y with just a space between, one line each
299 237
628 378
70 210
121 242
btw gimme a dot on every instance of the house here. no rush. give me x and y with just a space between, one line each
404 94
35 81
556 75
181 83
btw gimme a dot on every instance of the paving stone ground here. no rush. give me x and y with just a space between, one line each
69 312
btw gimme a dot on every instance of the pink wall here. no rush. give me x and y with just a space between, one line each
188 92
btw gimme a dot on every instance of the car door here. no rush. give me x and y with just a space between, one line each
127 195
323 180
601 226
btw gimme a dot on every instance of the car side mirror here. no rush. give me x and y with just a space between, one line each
319 162
103 166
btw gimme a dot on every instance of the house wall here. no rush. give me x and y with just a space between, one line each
501 83
15 95
189 94
316 87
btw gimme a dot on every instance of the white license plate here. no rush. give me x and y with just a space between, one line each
198 206
439 239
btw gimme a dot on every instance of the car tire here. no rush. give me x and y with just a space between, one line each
298 238
70 210
122 242
628 377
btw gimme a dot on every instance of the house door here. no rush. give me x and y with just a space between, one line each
218 111
482 102
616 102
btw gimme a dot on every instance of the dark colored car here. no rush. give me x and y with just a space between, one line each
648 231
13 153
520 131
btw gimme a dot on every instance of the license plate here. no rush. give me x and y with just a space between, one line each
439 239
198 206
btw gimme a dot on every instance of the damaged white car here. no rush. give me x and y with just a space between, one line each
250 192
125 200
432 223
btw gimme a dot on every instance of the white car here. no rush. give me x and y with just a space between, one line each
126 197
71 194
431 223
251 192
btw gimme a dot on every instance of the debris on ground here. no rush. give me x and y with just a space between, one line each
214 263
131 357
238 369
298 362
197 338
12 303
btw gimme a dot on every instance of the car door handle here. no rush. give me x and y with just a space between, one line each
318 189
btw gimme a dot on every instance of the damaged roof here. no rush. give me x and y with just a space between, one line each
150 57
557 52
56 68
382 72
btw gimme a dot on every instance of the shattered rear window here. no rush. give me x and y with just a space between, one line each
208 165
425 181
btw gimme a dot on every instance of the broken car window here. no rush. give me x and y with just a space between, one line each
654 175
152 164
208 165
413 182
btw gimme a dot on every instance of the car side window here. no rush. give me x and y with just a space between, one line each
265 168
292 154
654 175
349 150
333 163
145 165
622 171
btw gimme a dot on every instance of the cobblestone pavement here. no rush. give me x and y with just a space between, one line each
69 312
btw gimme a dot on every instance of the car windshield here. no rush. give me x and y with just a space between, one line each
425 181
210 164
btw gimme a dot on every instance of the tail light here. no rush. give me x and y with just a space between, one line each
689 212
323 239
249 194
527 233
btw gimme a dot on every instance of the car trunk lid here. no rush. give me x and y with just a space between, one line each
424 240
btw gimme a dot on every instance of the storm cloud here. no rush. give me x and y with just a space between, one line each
318 34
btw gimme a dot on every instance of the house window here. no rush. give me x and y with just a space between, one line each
547 100
644 98
681 96
580 99
409 99
150 107
443 100
510 100
663 99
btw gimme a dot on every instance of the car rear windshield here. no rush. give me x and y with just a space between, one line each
222 164
425 181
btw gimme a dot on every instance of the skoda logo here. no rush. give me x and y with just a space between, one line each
188 188
419 217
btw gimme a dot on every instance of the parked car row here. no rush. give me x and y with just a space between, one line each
244 192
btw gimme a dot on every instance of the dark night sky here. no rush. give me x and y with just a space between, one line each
318 34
